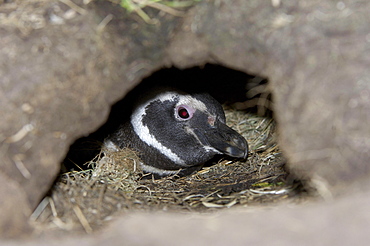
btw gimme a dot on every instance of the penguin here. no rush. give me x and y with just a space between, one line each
176 132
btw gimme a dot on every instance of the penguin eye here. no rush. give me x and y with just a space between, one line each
184 112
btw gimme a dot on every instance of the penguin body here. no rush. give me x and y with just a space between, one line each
174 130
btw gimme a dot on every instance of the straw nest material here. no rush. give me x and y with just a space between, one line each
113 183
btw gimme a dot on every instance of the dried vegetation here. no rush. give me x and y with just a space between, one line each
86 200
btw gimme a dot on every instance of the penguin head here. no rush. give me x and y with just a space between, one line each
174 130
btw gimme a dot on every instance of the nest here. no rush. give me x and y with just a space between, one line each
85 201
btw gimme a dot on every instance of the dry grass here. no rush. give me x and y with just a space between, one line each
170 7
86 200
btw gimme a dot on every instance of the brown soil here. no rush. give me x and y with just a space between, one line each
65 62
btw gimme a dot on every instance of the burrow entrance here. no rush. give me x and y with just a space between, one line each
94 187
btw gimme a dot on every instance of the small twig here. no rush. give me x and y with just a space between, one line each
143 186
211 194
164 8
138 5
20 134
20 166
40 208
272 192
81 217
52 206
104 22
74 6
192 196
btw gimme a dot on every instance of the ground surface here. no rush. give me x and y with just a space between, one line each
64 62
112 184
86 201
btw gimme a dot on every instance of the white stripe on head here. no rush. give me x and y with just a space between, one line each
143 131
192 102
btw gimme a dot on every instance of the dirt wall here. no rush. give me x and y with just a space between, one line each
63 64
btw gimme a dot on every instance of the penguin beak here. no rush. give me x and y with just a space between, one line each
225 140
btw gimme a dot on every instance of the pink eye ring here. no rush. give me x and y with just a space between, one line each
184 112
